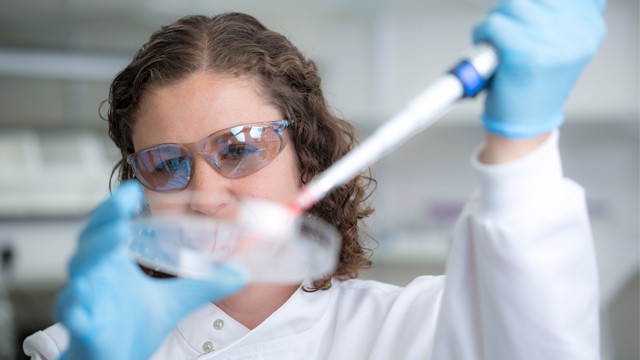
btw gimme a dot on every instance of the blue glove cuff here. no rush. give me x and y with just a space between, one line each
522 130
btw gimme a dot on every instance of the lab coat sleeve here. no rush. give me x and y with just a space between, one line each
521 274
47 344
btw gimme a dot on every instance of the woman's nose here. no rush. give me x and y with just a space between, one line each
211 193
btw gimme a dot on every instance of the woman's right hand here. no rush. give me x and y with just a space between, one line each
111 309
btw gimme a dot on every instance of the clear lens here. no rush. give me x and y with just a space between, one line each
236 152
167 239
165 167
245 150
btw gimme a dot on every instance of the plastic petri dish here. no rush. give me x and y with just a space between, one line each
170 238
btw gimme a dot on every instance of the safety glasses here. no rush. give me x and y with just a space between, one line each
234 152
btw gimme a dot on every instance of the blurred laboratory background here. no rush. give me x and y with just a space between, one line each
57 58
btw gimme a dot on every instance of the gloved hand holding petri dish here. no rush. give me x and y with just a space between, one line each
169 238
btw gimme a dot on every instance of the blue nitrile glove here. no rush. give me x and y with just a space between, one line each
543 46
111 309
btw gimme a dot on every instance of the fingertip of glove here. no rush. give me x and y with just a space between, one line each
71 314
479 33
129 194
60 305
123 203
127 199
496 30
524 129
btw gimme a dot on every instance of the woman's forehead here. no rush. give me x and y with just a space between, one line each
198 106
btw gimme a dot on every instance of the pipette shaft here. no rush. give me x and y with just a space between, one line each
465 80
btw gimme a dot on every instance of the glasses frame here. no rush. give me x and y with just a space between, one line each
198 147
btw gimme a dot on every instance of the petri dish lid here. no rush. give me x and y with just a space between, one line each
259 241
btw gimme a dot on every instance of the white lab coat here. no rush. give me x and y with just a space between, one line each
521 283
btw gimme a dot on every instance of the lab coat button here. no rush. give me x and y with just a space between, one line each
218 324
207 346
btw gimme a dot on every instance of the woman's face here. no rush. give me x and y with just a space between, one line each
200 105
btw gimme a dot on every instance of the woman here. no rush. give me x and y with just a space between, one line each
521 275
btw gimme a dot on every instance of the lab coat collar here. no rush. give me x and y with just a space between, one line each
297 315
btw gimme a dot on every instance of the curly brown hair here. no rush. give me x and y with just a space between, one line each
238 44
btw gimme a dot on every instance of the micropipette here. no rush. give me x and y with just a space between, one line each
466 80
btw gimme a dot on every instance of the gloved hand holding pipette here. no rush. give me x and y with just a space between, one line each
543 47
111 309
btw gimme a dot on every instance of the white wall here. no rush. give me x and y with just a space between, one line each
375 55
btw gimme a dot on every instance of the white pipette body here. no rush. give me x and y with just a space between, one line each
421 112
